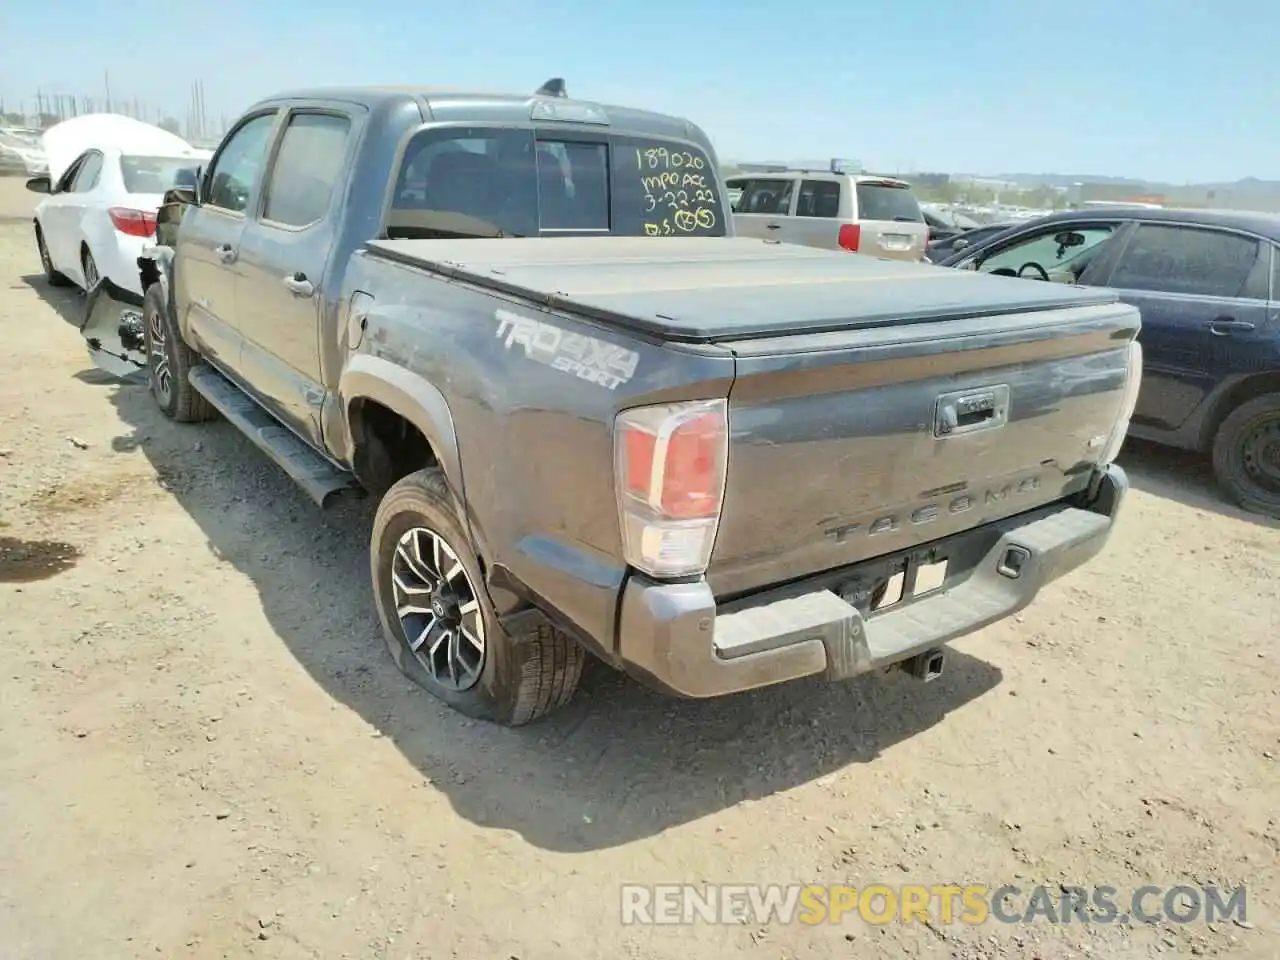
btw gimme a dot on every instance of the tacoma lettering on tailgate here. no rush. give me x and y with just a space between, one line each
585 357
928 512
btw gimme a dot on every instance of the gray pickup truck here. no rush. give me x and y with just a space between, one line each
599 422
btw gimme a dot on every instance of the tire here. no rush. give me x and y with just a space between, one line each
169 360
89 268
1246 455
51 276
509 680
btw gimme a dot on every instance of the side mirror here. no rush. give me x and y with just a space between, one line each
959 243
187 195
40 185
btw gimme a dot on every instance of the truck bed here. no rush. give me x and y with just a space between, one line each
852 377
712 289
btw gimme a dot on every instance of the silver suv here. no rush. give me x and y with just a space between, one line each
878 216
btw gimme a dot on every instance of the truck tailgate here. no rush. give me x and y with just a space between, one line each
855 444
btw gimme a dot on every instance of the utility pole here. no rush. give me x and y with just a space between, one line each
106 82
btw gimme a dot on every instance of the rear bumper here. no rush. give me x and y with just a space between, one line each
672 637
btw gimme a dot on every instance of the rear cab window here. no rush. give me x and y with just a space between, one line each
484 181
886 200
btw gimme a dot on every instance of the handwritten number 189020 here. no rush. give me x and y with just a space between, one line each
671 178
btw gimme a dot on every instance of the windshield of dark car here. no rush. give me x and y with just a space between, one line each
153 174
490 182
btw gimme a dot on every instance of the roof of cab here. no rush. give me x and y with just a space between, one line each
487 105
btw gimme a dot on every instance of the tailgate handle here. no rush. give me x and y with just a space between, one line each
971 410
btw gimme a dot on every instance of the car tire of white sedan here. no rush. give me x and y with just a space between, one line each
89 269
52 276
439 623
169 360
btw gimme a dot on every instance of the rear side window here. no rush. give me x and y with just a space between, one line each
770 196
494 182
1177 259
887 201
818 198
156 174
306 169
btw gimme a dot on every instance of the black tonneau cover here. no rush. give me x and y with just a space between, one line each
728 288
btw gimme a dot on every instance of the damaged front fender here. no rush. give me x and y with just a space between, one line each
114 329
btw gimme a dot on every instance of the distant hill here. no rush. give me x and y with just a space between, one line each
1246 185
1249 193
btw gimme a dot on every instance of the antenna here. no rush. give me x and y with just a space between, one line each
552 88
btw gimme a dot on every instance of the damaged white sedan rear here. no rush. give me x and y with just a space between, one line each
107 178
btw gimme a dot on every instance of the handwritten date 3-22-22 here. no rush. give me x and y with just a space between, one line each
679 196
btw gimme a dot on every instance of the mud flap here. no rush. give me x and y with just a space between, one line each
113 329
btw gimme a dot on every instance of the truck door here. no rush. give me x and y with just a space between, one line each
1203 296
284 253
208 243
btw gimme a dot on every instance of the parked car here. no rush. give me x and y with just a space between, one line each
21 153
1208 285
863 214
599 421
944 223
939 249
106 180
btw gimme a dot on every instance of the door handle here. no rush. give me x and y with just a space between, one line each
773 226
299 285
226 253
1225 326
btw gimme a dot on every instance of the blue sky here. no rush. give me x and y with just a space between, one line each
1163 89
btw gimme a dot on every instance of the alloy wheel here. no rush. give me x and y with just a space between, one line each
161 374
438 608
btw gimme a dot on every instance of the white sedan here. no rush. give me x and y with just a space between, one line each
106 182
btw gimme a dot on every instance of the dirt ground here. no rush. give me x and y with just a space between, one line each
205 750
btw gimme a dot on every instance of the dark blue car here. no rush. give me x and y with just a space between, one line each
1208 286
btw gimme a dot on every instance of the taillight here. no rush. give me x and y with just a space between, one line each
1128 401
850 236
134 223
670 464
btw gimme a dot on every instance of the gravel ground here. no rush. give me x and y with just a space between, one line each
206 752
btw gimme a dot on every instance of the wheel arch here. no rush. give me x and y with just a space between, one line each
1242 391
383 402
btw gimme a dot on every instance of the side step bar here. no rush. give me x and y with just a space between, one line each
312 472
